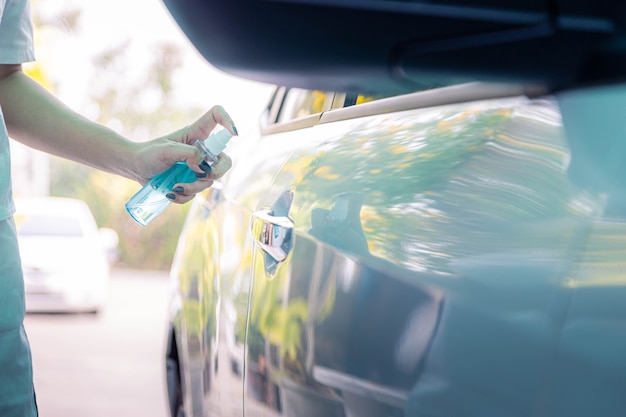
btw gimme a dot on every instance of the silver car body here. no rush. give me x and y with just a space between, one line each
433 254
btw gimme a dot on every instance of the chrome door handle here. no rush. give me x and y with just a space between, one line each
273 234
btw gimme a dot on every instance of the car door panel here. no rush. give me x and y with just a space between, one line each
593 339
245 185
424 265
195 303
213 279
435 260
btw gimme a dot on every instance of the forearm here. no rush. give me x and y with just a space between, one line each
36 118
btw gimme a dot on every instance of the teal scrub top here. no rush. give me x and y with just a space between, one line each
17 396
16 47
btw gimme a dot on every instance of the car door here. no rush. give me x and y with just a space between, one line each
213 261
411 251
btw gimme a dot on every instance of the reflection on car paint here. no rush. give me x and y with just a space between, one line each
453 252
421 189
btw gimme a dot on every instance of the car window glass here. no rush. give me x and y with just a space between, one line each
299 103
366 98
47 226
361 98
356 99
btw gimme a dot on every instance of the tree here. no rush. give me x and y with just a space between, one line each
139 107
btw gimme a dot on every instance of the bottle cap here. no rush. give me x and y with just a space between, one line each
216 142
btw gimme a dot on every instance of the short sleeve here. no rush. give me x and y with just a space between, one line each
16 33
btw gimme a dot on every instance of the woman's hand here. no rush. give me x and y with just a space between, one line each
158 155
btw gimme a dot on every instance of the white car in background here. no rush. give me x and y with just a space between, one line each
64 255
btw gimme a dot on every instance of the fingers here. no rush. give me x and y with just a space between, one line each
221 117
182 193
199 130
224 163
202 127
217 170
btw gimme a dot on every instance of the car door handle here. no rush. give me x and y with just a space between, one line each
273 234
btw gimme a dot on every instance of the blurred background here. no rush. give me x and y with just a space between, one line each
127 65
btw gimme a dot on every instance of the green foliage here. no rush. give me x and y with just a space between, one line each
138 108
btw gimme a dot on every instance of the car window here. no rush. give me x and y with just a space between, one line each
352 99
363 98
47 226
299 103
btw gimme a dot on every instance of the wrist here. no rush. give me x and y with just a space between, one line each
126 160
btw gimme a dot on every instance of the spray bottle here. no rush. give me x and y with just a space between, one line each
151 200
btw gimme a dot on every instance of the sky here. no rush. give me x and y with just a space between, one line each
141 24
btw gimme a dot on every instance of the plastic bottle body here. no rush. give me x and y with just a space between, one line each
150 201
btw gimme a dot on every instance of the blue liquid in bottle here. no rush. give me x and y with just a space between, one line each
150 201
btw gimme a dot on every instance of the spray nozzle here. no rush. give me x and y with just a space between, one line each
217 141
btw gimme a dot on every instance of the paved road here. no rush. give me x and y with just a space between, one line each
110 364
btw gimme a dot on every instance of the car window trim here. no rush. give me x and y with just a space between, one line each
274 126
430 98
422 99
295 124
